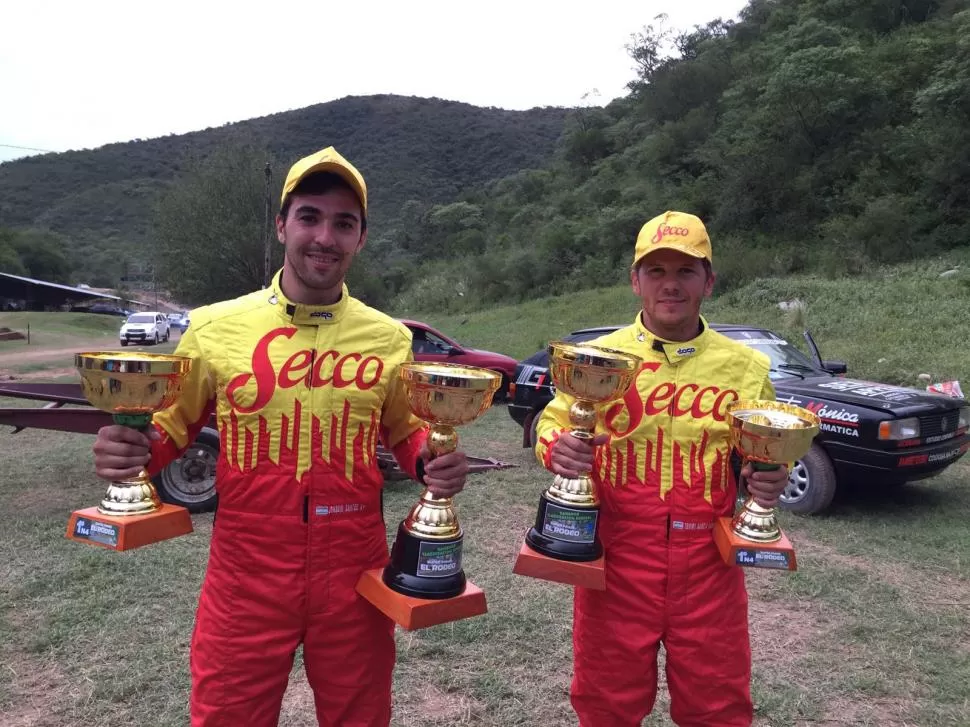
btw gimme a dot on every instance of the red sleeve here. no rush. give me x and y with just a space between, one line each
407 450
165 450
547 443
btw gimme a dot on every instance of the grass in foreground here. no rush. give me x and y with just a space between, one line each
870 631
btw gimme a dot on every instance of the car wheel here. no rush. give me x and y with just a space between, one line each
190 481
123 343
166 337
811 484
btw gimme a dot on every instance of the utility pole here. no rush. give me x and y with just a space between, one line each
267 230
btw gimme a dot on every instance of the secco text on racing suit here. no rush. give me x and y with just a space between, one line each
301 394
662 479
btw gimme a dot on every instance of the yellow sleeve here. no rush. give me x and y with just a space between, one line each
553 421
767 389
181 422
397 421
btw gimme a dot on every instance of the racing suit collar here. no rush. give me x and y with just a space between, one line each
302 314
673 351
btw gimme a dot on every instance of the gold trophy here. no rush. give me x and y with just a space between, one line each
566 522
767 434
424 583
131 387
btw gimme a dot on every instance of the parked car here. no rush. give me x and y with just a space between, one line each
869 431
150 327
430 344
182 323
102 308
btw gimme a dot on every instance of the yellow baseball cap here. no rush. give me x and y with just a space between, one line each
675 231
326 160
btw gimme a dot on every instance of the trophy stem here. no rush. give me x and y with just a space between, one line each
754 522
442 439
433 518
582 415
573 491
134 496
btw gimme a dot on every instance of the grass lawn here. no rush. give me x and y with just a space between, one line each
872 630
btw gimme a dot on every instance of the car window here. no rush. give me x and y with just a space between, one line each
541 357
140 318
423 341
786 360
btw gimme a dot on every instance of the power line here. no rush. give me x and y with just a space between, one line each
28 148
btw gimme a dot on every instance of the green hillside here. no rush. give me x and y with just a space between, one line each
816 137
890 325
101 201
811 135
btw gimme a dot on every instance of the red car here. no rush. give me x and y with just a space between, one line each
429 344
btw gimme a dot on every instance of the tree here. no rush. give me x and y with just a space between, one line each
35 253
10 261
211 226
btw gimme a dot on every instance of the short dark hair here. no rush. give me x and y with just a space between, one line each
321 183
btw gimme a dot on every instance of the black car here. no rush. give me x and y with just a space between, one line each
870 432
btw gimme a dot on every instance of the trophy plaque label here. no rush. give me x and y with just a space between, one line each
98 532
737 550
570 524
762 559
439 560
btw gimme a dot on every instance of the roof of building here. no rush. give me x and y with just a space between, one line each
58 286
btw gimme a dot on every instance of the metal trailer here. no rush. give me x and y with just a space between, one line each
188 481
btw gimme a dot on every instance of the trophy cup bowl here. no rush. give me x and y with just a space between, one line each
131 387
566 521
768 434
426 556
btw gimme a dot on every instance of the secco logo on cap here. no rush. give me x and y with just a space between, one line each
675 231
664 230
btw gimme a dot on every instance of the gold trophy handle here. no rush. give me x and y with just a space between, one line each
754 521
434 517
133 495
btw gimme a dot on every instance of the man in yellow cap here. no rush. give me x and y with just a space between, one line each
663 474
303 381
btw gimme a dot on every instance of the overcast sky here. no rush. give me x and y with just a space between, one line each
81 74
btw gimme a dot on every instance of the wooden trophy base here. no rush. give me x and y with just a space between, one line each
417 613
130 531
740 551
586 574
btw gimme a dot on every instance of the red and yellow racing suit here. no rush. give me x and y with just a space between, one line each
301 394
662 479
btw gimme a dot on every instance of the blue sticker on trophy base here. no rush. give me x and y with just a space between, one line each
570 524
96 531
762 559
438 560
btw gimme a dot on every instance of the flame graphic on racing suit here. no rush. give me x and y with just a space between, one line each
617 467
279 442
